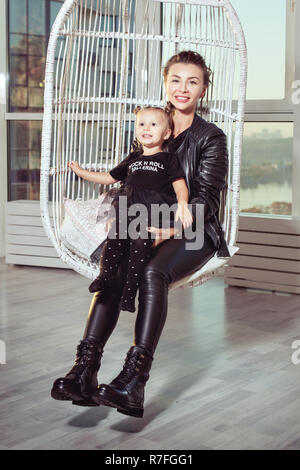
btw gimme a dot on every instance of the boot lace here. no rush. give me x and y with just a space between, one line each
130 368
86 355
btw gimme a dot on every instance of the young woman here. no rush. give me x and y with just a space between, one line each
202 150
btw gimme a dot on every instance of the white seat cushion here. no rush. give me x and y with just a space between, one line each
79 231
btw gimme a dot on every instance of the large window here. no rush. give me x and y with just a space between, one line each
266 173
266 176
29 24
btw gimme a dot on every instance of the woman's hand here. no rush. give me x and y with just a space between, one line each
75 167
184 214
162 234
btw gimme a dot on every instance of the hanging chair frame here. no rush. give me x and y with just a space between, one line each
52 214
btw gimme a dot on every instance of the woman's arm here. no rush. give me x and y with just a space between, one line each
100 177
211 174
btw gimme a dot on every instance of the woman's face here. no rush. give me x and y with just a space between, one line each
184 86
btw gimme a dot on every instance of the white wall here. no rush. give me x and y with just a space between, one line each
3 146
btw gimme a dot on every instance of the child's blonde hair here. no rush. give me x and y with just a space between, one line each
166 113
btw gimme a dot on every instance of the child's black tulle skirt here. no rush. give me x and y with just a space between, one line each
147 209
148 203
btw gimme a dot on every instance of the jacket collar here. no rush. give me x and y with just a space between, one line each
198 122
192 131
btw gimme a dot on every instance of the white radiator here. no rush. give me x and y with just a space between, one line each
26 240
269 254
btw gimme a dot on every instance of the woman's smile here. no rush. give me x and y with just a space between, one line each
182 99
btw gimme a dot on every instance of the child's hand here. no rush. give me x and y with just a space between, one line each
74 167
184 215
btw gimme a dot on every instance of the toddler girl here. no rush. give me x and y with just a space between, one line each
149 176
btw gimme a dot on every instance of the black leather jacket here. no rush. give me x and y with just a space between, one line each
204 158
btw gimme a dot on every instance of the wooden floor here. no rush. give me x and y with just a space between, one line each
222 376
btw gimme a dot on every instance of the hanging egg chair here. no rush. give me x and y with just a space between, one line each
104 58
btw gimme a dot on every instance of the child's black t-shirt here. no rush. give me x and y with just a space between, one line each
156 172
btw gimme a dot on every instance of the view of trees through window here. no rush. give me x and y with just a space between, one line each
266 176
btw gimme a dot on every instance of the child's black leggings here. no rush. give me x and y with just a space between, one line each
114 249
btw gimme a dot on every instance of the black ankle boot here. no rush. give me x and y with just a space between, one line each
79 384
126 391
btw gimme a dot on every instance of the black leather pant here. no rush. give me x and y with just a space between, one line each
170 262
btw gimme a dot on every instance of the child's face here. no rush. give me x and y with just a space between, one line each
152 128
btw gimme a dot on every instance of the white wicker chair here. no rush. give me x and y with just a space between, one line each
104 58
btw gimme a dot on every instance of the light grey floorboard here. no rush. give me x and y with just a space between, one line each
222 376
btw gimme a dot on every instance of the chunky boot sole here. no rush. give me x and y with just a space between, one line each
121 407
134 412
85 402
64 393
